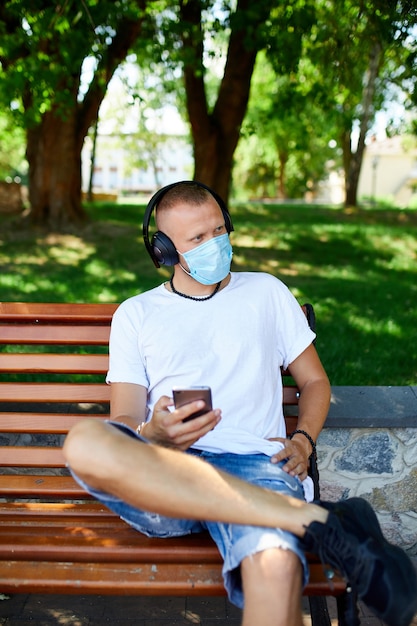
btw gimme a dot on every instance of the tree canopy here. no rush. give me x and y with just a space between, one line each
287 134
353 59
334 60
42 57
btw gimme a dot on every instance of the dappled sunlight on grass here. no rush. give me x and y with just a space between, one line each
358 268
370 326
66 249
100 263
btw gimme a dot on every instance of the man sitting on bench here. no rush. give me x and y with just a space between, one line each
230 470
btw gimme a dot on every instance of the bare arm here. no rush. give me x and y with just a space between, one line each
128 403
314 402
314 387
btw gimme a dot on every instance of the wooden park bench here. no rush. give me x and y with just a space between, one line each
53 537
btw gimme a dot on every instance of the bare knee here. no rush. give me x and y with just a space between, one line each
84 447
272 579
274 564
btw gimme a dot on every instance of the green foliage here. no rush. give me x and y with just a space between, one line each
12 148
317 85
43 46
285 136
358 268
289 23
342 41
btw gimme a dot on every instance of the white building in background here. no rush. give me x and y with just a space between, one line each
121 169
124 165
389 171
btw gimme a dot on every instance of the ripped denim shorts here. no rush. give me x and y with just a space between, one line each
234 541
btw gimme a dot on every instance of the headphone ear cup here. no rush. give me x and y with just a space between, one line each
163 249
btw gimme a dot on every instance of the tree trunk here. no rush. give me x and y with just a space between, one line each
283 159
92 163
216 134
54 159
354 160
54 144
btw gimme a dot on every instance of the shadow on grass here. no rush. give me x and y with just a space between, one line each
103 261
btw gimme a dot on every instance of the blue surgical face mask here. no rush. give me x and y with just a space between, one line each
210 262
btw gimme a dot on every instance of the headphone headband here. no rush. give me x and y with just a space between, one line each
161 249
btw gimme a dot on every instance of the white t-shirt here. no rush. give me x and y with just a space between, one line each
235 343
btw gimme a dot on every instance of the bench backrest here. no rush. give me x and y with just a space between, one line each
53 361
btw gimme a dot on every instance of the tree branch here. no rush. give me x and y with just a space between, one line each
127 33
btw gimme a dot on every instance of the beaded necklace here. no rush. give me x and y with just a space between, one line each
184 295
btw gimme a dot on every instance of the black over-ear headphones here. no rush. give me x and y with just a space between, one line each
161 249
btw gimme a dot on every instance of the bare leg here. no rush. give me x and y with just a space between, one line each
172 483
272 584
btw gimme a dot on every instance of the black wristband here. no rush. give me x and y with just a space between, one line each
303 432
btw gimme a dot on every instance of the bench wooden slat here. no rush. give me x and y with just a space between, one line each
56 515
24 312
54 392
76 392
19 456
129 579
290 395
291 424
65 510
40 334
111 579
38 423
106 543
34 486
54 363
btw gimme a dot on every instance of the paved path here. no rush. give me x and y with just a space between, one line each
53 610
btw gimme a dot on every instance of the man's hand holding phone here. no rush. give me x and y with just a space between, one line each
184 396
192 418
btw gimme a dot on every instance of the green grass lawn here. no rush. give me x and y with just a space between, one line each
358 268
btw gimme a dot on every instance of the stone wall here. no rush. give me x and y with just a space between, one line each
379 465
377 462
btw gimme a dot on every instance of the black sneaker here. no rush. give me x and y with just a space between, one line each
352 542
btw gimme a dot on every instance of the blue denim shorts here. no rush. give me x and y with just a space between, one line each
234 541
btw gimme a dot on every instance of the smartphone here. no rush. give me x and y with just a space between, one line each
190 394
